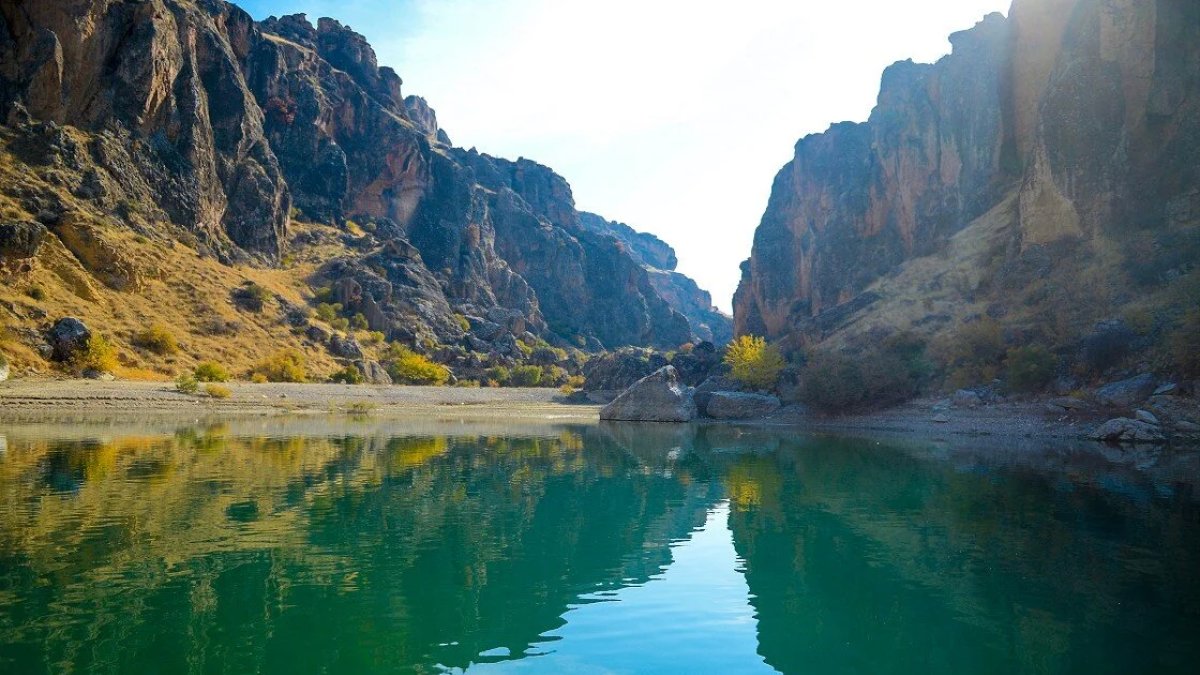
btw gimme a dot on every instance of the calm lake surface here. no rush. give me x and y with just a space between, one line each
344 546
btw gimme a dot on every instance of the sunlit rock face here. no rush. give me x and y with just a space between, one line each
1083 113
230 128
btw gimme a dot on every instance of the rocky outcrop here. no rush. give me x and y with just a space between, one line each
733 405
68 337
19 241
1126 393
1124 430
161 84
658 397
995 178
177 115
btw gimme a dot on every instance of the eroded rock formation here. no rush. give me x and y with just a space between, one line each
1044 144
190 115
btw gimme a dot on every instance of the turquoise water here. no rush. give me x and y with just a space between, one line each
344 546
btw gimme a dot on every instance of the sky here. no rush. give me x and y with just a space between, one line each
670 115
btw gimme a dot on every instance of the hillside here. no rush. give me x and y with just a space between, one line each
1036 189
158 156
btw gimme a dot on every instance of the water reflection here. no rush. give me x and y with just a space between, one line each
339 546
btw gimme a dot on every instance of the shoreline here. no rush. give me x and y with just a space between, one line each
36 398
25 398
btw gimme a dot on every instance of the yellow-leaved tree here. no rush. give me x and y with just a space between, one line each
753 362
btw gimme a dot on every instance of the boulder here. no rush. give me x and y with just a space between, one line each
1125 430
21 240
733 405
372 372
345 347
1146 416
68 337
4 369
1127 393
658 397
966 398
713 383
941 418
317 334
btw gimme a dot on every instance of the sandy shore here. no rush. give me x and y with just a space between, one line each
31 397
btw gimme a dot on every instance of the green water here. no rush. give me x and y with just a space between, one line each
341 546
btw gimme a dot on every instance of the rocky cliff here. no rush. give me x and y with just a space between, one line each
1043 175
680 291
188 122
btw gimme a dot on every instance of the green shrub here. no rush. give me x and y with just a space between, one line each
340 323
186 384
375 337
217 391
499 375
37 293
284 366
1030 368
408 367
157 339
753 362
348 375
972 355
251 297
98 354
1184 343
462 322
328 312
890 374
526 376
210 371
359 322
323 295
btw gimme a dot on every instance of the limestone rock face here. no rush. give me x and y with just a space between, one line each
189 112
163 80
658 397
679 291
1043 139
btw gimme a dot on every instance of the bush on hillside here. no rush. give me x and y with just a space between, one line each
251 297
284 366
1030 369
210 371
1184 342
408 367
526 376
753 362
348 375
157 339
888 375
98 354
973 354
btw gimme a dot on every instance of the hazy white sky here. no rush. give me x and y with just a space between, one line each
670 115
